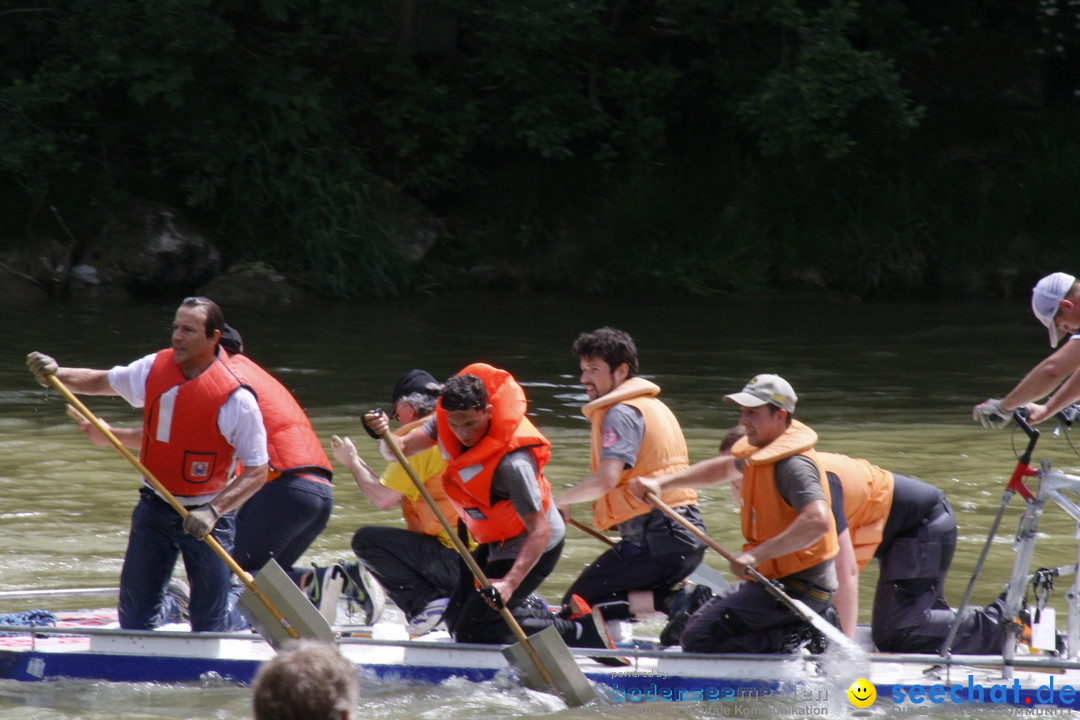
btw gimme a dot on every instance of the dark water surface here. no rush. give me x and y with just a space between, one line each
890 382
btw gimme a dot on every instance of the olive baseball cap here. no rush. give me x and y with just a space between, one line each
765 389
1046 297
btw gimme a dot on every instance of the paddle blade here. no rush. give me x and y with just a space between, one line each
710 578
279 590
552 652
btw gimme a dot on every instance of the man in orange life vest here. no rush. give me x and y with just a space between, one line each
910 528
786 520
633 434
416 564
494 477
197 415
282 519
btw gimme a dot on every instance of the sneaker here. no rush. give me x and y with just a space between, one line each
620 631
324 587
427 619
575 608
593 634
364 590
683 605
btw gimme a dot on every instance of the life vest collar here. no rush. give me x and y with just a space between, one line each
798 438
508 405
627 389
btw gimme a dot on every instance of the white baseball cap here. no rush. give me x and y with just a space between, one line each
1046 297
765 389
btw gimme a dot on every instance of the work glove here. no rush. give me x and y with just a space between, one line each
991 414
42 366
201 520
378 419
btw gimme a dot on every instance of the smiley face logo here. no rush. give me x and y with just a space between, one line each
862 693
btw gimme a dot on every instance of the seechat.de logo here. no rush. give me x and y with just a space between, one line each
862 693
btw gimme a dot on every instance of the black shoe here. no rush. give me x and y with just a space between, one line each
683 605
673 630
594 635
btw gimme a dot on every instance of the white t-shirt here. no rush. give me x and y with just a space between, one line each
239 420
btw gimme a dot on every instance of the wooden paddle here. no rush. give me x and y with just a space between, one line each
560 672
798 607
310 629
702 574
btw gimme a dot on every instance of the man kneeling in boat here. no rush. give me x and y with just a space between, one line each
197 415
494 477
633 434
789 528
909 526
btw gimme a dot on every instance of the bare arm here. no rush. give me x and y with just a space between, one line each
808 527
600 482
714 471
380 496
249 482
1066 395
1044 377
539 533
846 599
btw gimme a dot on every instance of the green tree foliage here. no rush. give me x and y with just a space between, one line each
280 124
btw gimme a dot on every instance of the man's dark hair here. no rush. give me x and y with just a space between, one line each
614 347
215 319
733 436
464 392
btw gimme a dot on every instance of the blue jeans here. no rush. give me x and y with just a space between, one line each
156 540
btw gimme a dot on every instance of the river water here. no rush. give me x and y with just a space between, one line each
890 382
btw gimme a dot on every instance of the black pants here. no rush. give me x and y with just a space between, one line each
625 567
412 567
281 521
910 610
471 620
744 619
666 555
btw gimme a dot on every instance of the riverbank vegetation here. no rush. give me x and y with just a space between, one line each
894 148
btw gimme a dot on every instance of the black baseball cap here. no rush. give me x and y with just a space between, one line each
416 381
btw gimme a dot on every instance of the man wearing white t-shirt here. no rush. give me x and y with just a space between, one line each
198 419
1055 300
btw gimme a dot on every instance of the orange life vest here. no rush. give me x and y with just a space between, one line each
469 471
290 440
182 445
765 514
662 452
868 493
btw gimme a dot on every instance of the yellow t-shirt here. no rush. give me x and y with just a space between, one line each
427 464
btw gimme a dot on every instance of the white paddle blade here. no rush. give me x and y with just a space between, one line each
277 588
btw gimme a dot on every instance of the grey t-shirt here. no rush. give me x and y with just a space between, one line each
620 439
799 484
515 479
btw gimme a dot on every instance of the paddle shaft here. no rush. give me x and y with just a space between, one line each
591 531
209 539
459 545
802 611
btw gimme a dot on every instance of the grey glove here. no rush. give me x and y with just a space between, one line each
41 365
991 414
201 520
